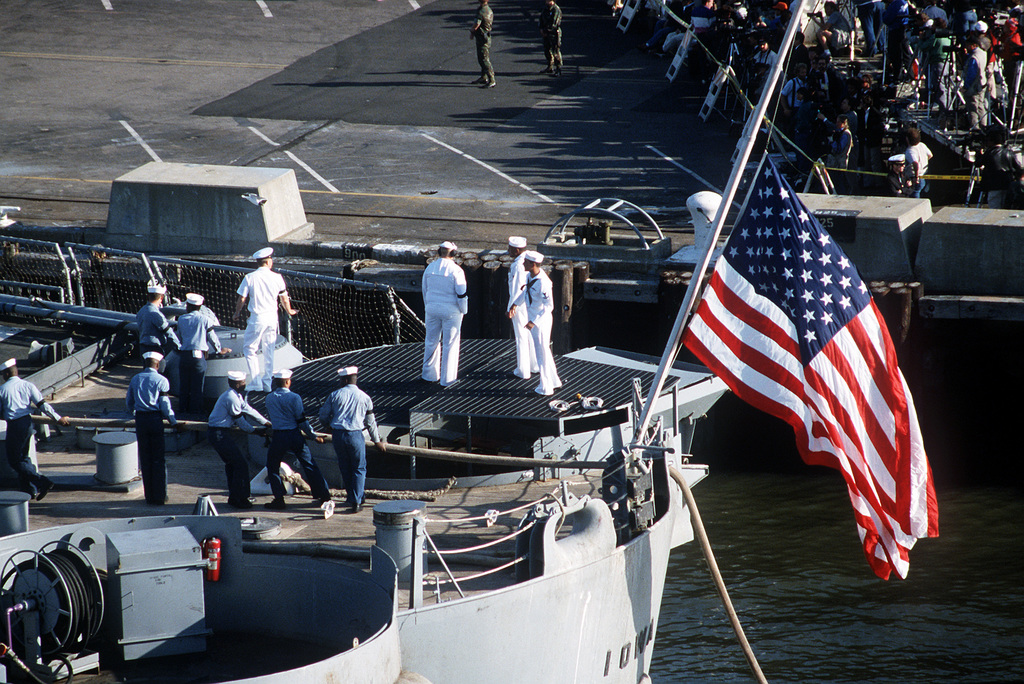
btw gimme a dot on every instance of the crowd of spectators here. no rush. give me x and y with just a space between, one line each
943 58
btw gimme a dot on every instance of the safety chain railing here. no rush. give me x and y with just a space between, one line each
490 518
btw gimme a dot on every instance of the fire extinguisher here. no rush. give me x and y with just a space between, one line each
211 552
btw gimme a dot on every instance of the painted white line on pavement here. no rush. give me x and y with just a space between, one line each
138 139
311 172
488 167
266 10
107 6
672 161
265 138
415 5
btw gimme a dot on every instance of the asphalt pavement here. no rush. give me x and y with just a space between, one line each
370 103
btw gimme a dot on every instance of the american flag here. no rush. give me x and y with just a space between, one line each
789 325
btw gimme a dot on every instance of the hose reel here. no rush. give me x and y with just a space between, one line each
54 595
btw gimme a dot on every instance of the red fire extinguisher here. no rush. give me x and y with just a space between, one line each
211 552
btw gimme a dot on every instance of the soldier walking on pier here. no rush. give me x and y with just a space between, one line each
538 299
148 400
481 31
230 410
347 411
551 31
16 399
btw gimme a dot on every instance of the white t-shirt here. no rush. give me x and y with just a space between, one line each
918 153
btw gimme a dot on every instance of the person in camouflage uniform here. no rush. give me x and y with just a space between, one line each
482 32
551 31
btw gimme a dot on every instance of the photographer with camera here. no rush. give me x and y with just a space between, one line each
1000 166
897 48
975 79
834 33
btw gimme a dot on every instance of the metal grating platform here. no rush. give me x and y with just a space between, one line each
486 387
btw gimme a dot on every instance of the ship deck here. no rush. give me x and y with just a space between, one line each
196 471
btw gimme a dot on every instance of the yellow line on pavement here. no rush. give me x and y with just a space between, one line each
140 60
380 195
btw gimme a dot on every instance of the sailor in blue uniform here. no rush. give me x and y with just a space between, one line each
155 333
148 399
16 399
230 410
284 409
347 411
197 338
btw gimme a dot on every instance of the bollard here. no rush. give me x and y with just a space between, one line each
13 512
117 457
394 533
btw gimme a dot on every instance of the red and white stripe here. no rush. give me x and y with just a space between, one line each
849 407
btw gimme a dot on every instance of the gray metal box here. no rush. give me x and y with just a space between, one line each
155 592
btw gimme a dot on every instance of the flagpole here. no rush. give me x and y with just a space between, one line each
748 139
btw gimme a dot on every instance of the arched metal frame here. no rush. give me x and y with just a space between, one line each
594 208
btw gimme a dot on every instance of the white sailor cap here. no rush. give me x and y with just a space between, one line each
898 159
237 376
156 288
9 363
517 242
264 253
348 370
980 27
449 245
535 257
283 374
152 355
194 299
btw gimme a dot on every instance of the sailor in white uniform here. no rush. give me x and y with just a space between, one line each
538 300
261 290
526 360
445 302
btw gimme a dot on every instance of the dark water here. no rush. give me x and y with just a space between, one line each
813 610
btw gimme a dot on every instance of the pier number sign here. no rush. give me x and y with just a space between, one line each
841 224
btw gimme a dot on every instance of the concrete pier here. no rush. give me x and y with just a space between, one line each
189 208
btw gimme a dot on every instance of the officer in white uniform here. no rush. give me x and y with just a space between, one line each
537 298
526 360
445 302
261 290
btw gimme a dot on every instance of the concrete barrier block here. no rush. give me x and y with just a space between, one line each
879 234
966 251
202 209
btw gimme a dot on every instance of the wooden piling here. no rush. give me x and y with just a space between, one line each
561 330
580 315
